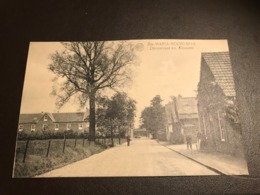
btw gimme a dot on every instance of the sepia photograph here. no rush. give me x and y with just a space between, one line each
129 108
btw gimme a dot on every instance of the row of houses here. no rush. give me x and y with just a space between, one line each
213 114
182 118
77 121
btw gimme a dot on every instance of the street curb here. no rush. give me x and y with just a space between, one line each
208 167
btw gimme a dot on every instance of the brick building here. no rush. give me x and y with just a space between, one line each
77 121
182 119
218 113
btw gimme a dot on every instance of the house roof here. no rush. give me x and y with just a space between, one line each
220 66
56 117
69 117
30 118
48 114
186 106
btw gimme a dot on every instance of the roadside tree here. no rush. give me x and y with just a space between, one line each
153 118
84 68
116 114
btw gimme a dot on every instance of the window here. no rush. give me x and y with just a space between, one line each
56 126
44 127
20 128
45 118
68 126
80 126
33 127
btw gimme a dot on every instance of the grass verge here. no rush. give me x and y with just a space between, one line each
37 163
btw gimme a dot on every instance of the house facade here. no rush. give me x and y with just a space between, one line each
76 121
182 119
218 113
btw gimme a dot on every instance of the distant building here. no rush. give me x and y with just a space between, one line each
77 121
140 133
218 114
182 119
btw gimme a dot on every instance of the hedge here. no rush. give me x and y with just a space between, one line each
41 135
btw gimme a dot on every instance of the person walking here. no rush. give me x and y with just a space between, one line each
128 140
189 140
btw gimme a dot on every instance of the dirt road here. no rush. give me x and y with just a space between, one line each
144 157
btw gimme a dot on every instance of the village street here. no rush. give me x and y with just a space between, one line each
144 157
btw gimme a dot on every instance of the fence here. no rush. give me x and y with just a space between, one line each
44 147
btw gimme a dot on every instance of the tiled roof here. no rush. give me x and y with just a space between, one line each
56 117
220 66
30 118
187 105
69 117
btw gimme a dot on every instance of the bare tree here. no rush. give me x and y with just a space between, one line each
88 67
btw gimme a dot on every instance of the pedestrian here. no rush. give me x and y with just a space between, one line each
188 140
128 140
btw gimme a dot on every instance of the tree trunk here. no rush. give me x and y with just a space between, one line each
119 140
92 116
112 136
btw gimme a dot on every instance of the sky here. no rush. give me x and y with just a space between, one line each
166 67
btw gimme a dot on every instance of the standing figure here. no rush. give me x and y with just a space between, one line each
128 140
188 140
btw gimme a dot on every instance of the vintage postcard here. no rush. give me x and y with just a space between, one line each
129 108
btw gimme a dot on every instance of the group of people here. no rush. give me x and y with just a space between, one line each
189 140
